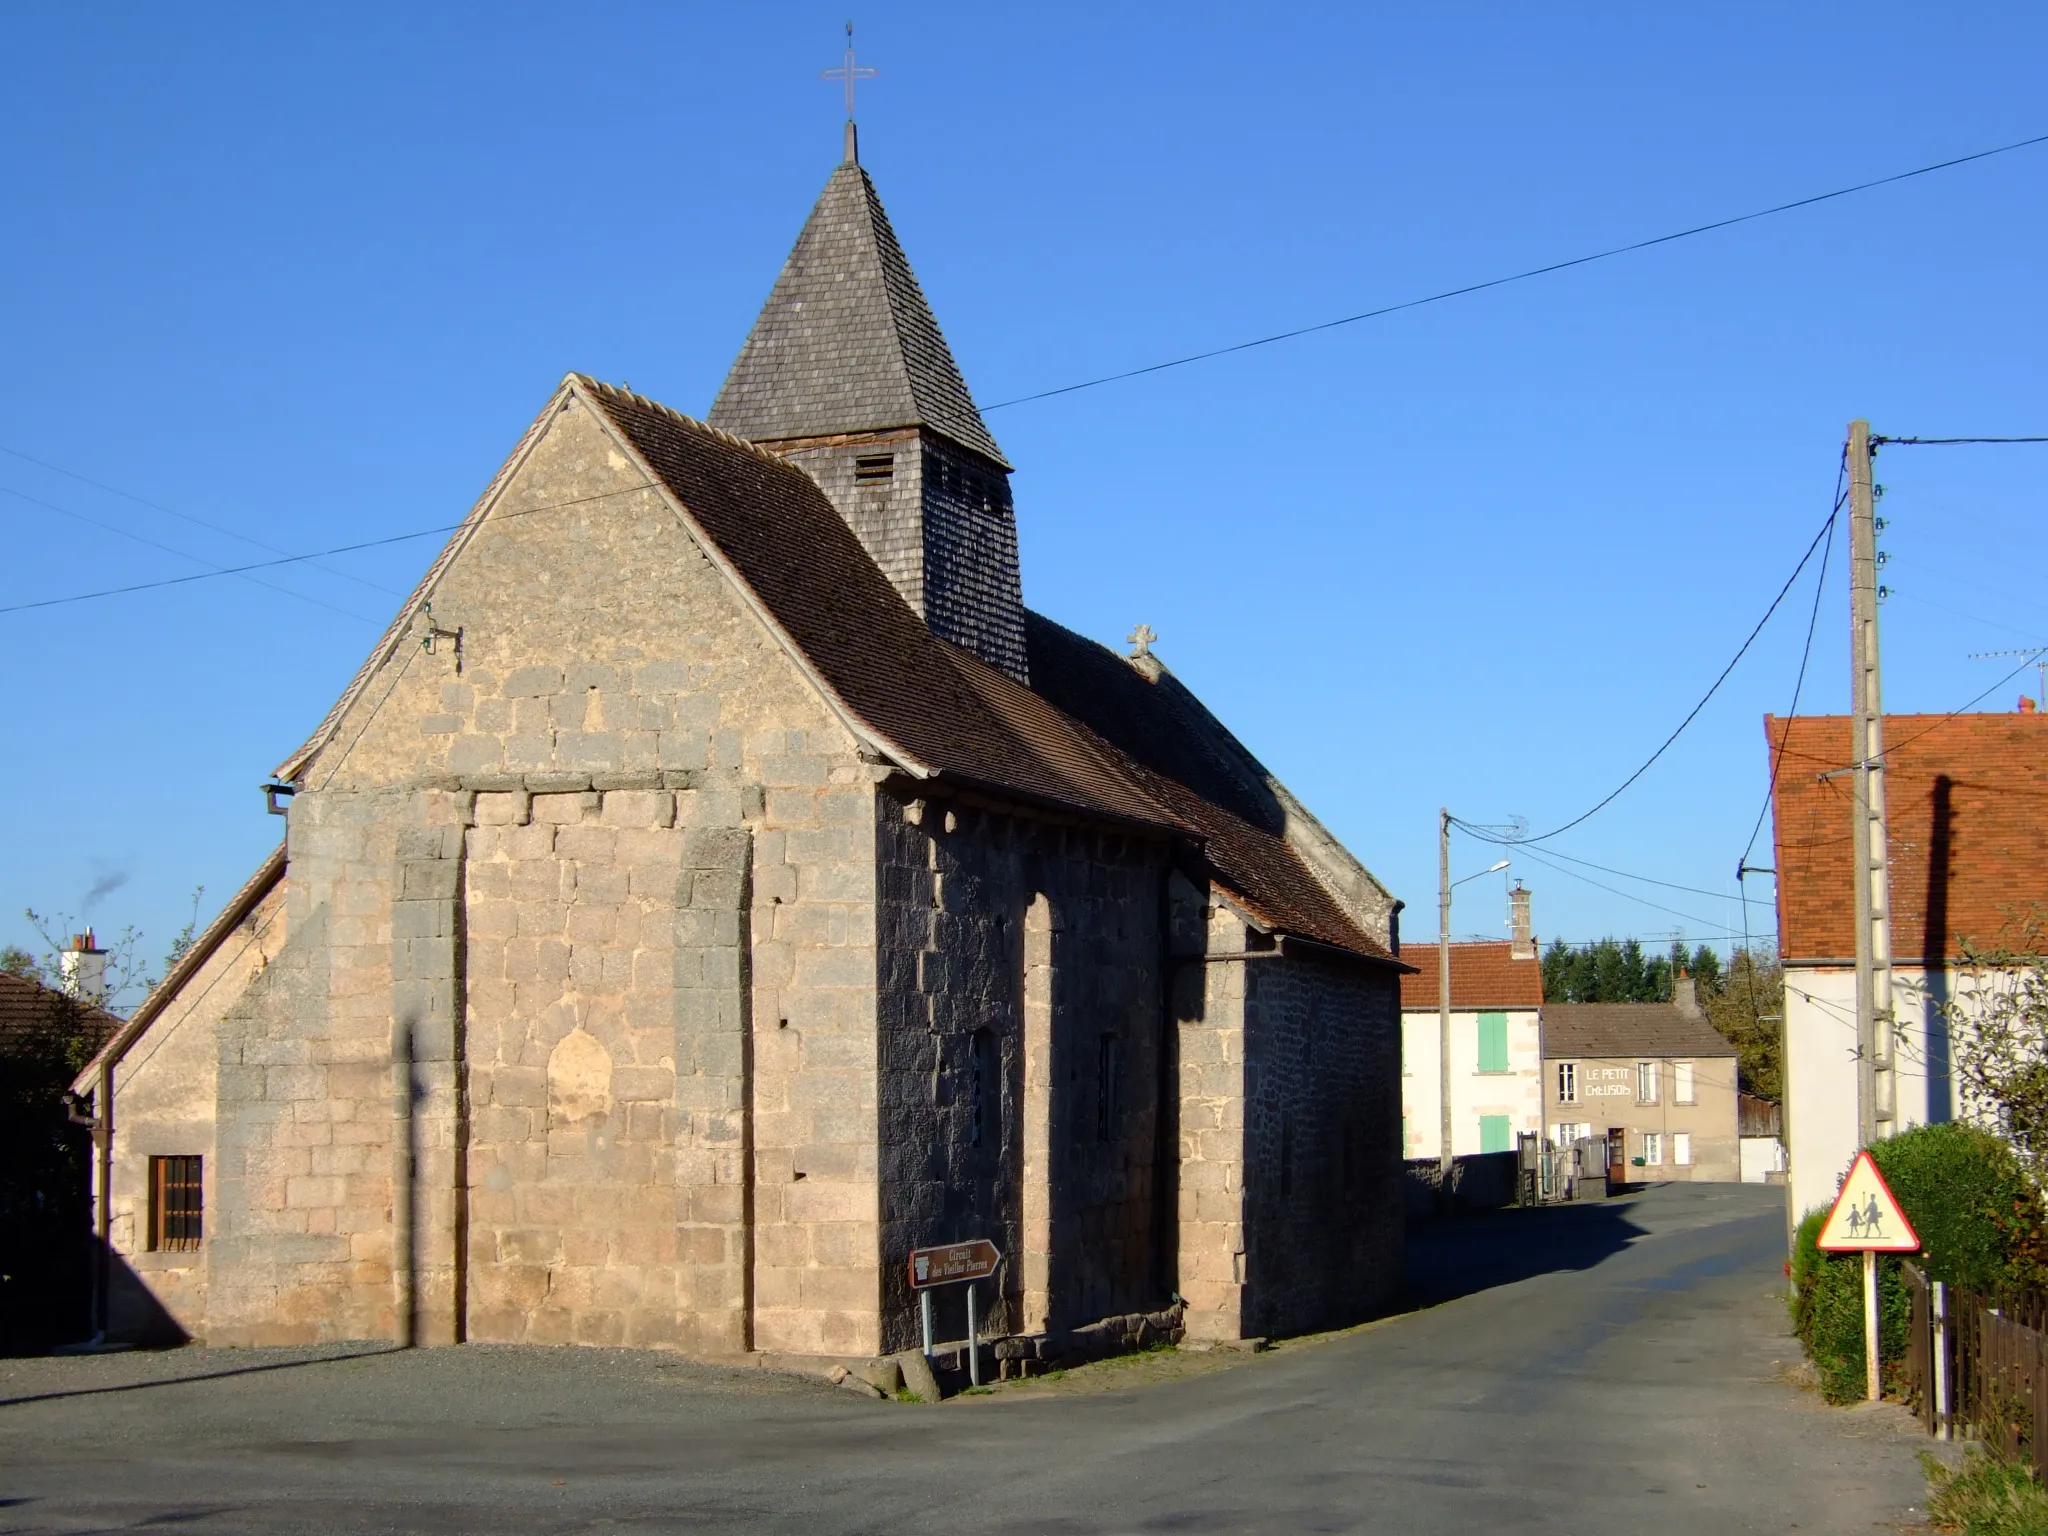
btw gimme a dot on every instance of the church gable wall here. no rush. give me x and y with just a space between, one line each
164 1098
557 878
1321 1108
1021 1002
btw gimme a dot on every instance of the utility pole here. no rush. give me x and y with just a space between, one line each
1443 1003
1875 1088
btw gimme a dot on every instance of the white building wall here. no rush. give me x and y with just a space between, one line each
1820 1071
1516 1093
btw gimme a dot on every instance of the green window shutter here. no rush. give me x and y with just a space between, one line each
1493 1042
1494 1134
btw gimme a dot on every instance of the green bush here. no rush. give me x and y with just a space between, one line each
1975 1214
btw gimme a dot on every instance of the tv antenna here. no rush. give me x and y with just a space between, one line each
2039 656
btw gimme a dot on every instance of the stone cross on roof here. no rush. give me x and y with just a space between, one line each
850 72
1141 640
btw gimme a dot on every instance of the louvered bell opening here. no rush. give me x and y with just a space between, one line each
874 468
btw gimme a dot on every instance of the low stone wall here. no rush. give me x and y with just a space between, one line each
1480 1181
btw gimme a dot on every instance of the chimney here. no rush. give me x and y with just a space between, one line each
1685 995
1524 947
82 969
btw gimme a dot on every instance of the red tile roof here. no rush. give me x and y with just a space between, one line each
29 1008
1967 801
1483 975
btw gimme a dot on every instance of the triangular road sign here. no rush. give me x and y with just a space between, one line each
1866 1217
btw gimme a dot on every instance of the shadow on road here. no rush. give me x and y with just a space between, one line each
179 1380
1453 1258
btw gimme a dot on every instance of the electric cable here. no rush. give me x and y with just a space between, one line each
340 549
216 570
1492 835
1517 277
1695 890
1716 930
197 522
1947 442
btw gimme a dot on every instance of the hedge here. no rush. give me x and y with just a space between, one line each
1978 1220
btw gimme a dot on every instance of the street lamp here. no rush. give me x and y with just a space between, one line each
1443 997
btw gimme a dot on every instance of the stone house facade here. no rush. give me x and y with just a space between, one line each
717 883
1659 1072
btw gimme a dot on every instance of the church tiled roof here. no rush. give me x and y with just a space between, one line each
846 341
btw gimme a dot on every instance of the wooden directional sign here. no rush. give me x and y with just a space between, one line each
1866 1217
953 1263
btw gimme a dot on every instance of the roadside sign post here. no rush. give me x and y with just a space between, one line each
1866 1219
954 1264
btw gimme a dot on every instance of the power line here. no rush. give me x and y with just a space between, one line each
1486 834
214 570
1696 890
1947 442
1718 930
1798 684
340 549
1517 277
197 522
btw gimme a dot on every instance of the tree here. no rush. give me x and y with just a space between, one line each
1747 1005
1997 1023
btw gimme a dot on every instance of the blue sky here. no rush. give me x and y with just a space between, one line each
305 276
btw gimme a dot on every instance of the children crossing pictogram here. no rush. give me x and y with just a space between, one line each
1867 1217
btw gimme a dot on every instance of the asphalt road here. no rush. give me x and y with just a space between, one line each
1607 1368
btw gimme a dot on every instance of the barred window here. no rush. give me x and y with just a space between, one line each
175 1206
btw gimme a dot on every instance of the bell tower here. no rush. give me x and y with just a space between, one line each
847 375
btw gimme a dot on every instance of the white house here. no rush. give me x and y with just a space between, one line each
1496 1045
1968 853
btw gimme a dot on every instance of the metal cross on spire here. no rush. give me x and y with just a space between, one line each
850 71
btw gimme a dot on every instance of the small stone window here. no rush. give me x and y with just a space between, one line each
1109 1087
985 1125
873 468
175 1204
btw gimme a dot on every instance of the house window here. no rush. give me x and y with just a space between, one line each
1493 1042
1495 1135
1567 1082
1570 1132
1646 1082
1653 1149
175 1207
1681 1148
1681 1087
870 467
1109 1087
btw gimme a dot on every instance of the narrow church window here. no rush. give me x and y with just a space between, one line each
1109 1087
1286 1157
174 1203
985 1129
870 467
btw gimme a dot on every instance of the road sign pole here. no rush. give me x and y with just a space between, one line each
924 1312
973 1340
1872 1387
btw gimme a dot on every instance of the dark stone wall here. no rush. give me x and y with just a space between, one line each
1323 1197
954 889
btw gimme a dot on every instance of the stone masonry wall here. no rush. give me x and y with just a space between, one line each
1209 998
1322 1117
580 971
960 1089
165 1092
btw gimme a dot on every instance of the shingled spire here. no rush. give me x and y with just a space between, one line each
847 373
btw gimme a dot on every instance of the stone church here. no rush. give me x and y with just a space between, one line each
717 883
